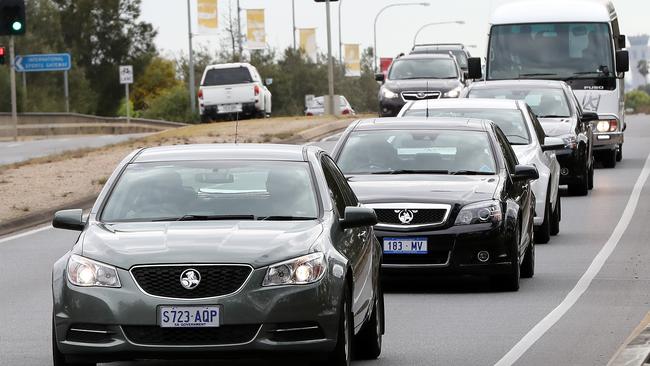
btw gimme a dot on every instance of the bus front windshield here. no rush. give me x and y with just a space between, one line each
550 51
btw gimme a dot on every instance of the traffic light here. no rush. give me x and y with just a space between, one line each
12 17
2 55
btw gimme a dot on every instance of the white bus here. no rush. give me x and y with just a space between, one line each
577 41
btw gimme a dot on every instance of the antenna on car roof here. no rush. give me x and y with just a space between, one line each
236 126
427 112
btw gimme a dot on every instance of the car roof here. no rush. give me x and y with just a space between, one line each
478 103
415 123
526 83
544 11
425 56
440 46
204 152
228 65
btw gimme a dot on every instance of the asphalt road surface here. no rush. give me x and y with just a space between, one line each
558 317
16 151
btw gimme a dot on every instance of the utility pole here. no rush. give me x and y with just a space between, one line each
239 34
14 109
293 15
330 64
340 37
191 61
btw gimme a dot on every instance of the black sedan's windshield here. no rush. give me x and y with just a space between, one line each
545 102
433 68
550 51
511 121
212 190
417 152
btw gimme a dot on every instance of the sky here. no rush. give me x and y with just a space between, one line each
396 26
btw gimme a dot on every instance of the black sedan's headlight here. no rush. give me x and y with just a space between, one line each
480 213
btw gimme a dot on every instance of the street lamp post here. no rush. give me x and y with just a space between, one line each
461 22
374 50
340 38
191 61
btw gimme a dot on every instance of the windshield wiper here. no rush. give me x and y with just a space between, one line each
412 171
215 217
471 172
538 74
553 116
285 218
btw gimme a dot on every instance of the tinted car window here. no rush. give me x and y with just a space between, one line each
156 191
386 152
539 130
350 197
508 154
460 55
511 121
544 102
336 194
234 75
443 68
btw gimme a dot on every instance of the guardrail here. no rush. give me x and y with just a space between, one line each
35 118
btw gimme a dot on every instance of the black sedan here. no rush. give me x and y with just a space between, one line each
211 250
560 115
449 194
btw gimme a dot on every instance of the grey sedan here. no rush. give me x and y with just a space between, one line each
211 251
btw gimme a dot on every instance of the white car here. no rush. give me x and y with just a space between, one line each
317 107
525 134
233 90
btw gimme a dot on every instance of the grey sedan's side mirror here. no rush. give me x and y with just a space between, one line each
69 220
524 173
553 143
358 217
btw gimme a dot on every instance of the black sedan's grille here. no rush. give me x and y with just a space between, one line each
420 216
224 335
215 280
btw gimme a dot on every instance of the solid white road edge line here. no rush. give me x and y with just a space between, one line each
583 284
25 233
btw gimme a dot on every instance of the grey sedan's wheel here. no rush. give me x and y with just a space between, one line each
510 281
368 341
557 216
342 353
543 233
609 159
619 153
58 359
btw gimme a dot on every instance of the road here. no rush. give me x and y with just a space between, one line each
17 151
443 321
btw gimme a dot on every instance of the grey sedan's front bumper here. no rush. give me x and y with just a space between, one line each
94 324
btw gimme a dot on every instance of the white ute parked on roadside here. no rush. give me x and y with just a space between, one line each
233 90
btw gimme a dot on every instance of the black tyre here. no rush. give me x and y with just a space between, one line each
58 359
609 159
528 264
368 342
205 118
543 233
510 281
619 153
581 187
556 217
342 353
591 176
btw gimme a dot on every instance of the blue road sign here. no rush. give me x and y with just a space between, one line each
45 62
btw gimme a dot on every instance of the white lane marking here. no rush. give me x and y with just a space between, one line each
26 233
583 284
14 145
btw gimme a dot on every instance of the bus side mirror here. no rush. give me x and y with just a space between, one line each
621 41
474 70
622 61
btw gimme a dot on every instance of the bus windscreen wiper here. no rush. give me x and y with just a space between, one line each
538 74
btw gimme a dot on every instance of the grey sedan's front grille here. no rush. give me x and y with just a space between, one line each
223 335
420 95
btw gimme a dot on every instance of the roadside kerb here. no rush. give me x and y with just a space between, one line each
43 216
636 350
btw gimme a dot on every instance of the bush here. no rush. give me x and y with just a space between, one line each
638 100
171 105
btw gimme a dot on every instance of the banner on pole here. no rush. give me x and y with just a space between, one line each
352 60
207 15
384 64
308 42
255 32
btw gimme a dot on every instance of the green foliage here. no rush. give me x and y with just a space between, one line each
157 77
171 105
638 100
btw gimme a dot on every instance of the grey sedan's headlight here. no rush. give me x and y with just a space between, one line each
479 213
88 273
453 93
388 94
299 271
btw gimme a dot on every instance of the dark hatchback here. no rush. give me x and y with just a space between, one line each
449 194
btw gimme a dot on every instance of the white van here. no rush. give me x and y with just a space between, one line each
577 41
233 89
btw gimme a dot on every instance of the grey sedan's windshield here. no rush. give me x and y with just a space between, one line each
545 103
417 151
212 190
443 68
511 121
550 51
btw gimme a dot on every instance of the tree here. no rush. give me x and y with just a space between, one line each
158 77
644 69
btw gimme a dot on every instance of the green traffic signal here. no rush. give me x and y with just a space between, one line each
17 26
